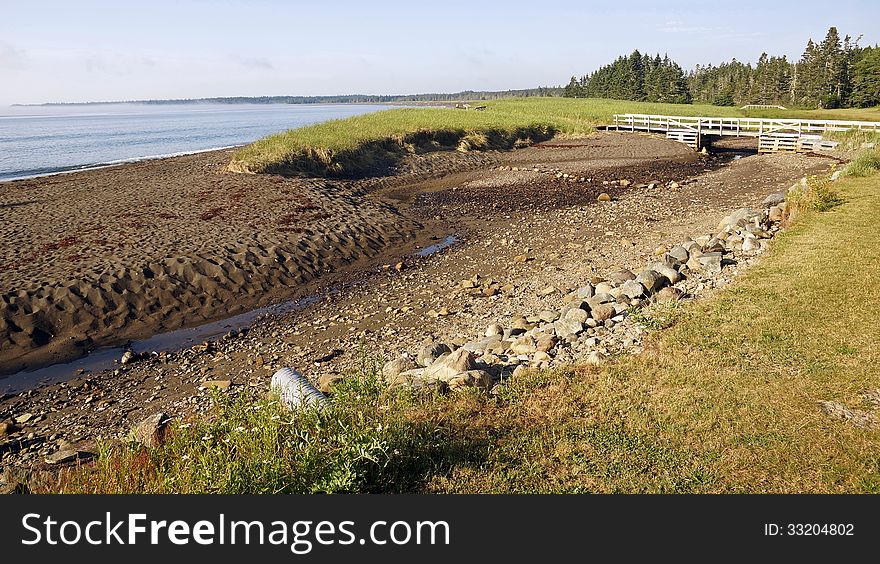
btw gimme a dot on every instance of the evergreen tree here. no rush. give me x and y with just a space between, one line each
866 78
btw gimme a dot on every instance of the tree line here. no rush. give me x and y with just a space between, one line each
341 99
834 73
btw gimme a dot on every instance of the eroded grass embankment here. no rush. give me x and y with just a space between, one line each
371 144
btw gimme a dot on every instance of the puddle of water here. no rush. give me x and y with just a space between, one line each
437 247
106 357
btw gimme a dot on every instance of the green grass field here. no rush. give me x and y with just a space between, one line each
368 144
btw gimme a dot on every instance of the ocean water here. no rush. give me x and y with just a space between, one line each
42 140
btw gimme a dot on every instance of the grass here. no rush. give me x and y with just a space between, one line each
725 399
371 441
866 163
370 144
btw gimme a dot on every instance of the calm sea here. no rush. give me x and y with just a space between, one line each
43 140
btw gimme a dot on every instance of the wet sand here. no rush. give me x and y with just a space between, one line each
104 256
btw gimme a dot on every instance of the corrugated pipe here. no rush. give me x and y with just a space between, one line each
296 391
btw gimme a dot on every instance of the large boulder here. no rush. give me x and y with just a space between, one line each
739 218
633 289
523 344
431 353
470 379
670 274
679 255
150 431
392 368
618 277
603 312
651 280
451 365
568 327
774 199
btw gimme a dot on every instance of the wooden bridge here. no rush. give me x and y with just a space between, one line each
774 135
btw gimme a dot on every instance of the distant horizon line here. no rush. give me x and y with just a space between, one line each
299 99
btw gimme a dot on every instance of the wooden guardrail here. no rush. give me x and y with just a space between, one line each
752 127
773 133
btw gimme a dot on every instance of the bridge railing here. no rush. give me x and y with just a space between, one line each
736 126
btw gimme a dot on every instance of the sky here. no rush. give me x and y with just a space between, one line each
74 51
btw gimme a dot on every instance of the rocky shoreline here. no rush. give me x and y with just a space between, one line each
537 282
597 319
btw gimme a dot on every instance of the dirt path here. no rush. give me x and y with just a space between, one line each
521 231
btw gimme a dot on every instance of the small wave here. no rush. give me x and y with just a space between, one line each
50 171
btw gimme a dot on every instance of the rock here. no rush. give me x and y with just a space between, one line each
618 277
548 316
624 183
651 280
669 294
577 314
776 214
407 377
430 353
523 345
600 299
601 312
128 357
604 197
540 357
393 368
709 262
546 343
604 288
674 185
633 289
679 255
750 244
520 323
737 219
585 292
7 428
567 327
216 384
452 365
68 455
670 274
836 175
23 418
595 358
773 199
327 381
714 245
549 290
470 379
493 330
150 432
692 246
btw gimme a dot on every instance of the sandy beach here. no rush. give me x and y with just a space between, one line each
104 256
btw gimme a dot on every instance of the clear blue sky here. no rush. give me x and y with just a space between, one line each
110 50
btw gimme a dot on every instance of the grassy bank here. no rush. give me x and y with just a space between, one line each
369 144
727 399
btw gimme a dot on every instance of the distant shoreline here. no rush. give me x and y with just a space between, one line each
336 99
